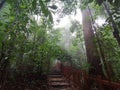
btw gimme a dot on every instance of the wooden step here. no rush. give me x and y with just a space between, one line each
55 76
59 84
57 79
64 88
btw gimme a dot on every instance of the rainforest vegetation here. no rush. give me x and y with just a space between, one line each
31 42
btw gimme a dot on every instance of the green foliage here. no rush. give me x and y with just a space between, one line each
69 6
99 2
25 45
108 44
110 48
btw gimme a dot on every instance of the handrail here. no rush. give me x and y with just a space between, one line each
82 81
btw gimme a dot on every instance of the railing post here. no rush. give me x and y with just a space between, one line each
86 81
100 84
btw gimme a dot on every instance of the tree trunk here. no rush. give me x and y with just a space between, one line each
115 28
2 3
91 49
107 67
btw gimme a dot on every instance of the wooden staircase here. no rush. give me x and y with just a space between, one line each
56 81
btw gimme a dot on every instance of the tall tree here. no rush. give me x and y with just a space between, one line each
116 32
108 72
91 49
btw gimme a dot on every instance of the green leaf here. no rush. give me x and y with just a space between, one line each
45 10
117 3
12 18
1 23
34 3
23 6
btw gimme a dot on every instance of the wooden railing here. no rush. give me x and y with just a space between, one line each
81 81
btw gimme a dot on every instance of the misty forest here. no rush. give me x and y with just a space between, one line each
59 44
